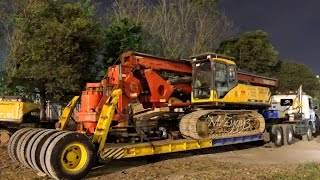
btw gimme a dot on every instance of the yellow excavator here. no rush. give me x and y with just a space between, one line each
220 100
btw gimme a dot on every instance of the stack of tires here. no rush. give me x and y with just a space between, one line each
58 154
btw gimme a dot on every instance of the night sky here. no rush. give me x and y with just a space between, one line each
293 25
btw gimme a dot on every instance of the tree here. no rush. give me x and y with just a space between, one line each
253 52
55 49
176 28
10 14
292 75
122 35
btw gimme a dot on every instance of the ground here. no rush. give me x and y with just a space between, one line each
298 161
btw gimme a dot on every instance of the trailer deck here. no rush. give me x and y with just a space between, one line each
170 146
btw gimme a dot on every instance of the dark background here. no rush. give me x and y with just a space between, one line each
293 26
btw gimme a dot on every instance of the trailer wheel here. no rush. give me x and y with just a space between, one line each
289 134
276 136
13 142
44 150
36 149
31 143
70 156
21 151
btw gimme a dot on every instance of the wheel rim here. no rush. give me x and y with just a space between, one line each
74 157
290 136
278 140
309 132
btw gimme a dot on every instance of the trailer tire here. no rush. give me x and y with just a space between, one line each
19 146
289 134
276 136
36 149
23 147
13 142
44 150
31 143
70 156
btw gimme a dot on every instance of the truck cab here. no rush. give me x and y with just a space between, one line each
292 108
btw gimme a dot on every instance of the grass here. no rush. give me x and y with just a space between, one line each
308 171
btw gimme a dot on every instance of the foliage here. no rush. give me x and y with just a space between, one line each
55 49
292 75
10 14
176 28
121 35
88 7
253 52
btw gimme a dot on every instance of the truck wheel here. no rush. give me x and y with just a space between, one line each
309 133
276 136
70 156
289 134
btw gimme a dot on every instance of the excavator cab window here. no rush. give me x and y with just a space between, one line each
225 78
221 79
213 75
202 79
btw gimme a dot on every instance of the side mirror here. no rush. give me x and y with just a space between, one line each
315 107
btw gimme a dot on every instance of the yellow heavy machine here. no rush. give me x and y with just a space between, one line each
216 86
16 112
148 105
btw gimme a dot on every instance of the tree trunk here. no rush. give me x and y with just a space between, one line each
43 103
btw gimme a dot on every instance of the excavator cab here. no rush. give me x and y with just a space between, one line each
214 75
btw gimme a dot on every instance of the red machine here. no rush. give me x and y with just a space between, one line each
152 81
147 80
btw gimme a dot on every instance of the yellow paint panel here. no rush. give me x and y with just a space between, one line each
227 61
242 93
178 147
159 147
138 151
14 111
193 145
205 143
105 118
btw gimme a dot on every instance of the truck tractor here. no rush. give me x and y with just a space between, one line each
295 112
147 105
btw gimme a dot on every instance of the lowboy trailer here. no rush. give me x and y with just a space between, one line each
148 105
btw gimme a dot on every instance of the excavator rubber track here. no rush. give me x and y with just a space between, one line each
217 124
